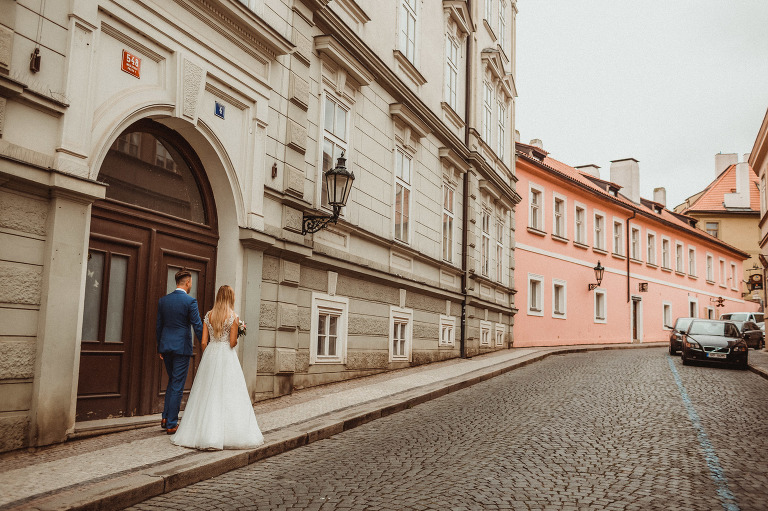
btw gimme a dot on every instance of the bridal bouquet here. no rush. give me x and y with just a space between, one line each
241 327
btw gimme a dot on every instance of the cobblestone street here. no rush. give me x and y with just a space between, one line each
627 429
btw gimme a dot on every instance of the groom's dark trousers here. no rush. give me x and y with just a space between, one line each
176 313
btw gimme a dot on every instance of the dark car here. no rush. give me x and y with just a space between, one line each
751 333
676 335
711 340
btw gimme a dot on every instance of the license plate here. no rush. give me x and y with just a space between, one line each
717 355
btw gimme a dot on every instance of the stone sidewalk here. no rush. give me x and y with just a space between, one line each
113 471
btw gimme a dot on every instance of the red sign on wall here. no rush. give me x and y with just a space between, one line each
131 64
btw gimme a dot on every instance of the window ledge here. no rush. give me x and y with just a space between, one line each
636 261
599 251
618 256
451 114
559 316
560 238
409 68
666 269
580 245
681 273
536 231
693 277
534 312
651 265
723 286
711 282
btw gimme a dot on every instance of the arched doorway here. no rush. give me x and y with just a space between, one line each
158 216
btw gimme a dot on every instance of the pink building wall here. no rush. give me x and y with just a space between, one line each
541 254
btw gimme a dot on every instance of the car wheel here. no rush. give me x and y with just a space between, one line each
684 359
743 365
672 350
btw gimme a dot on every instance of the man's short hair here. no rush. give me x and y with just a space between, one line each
182 275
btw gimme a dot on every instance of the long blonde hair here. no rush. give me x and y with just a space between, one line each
222 308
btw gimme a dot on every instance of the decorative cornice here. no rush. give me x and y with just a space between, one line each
448 156
457 10
330 46
354 10
400 111
409 69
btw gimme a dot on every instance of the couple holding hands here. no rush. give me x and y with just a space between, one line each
219 413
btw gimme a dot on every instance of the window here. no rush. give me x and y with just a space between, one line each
710 268
502 139
579 225
451 71
558 217
536 199
618 237
734 285
502 24
722 273
408 29
128 143
679 264
401 333
535 298
599 231
448 223
499 250
489 10
665 254
501 331
600 306
402 195
163 157
335 136
635 243
693 308
447 331
485 244
692 262
713 228
651 242
487 111
558 298
328 329
667 315
485 333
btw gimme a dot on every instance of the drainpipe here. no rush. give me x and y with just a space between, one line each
627 232
465 204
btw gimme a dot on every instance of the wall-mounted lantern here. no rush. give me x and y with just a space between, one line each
338 182
599 270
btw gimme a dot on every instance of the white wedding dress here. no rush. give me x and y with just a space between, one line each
219 413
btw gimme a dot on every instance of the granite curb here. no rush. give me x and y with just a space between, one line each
141 484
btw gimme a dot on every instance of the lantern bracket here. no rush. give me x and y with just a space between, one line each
313 223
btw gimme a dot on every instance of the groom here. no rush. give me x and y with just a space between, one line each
176 312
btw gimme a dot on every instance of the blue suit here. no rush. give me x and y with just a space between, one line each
176 312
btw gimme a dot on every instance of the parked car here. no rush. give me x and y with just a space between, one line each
751 333
676 335
712 340
757 317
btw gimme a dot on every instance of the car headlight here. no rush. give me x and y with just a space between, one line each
692 344
740 347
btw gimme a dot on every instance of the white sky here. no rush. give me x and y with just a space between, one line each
667 82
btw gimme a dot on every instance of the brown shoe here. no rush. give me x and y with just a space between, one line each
171 431
164 423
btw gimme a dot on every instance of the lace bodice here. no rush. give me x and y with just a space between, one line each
224 337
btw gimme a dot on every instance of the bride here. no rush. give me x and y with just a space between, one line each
219 413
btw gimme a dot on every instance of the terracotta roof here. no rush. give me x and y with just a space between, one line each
585 179
712 198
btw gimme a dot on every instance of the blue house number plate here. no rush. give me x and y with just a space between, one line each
219 110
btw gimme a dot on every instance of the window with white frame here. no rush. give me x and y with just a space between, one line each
693 307
601 305
400 334
710 268
535 295
328 329
679 263
489 10
487 112
500 332
559 216
691 262
128 143
723 276
448 216
485 243
713 228
536 200
559 298
503 24
665 254
499 250
408 29
651 245
667 315
335 139
402 196
451 71
501 140
447 331
579 225
485 333
618 237
710 312
734 284
635 243
599 222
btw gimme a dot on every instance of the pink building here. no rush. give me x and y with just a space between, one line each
658 266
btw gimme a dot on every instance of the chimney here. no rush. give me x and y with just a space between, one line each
517 136
591 169
660 196
626 173
723 161
536 142
740 198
